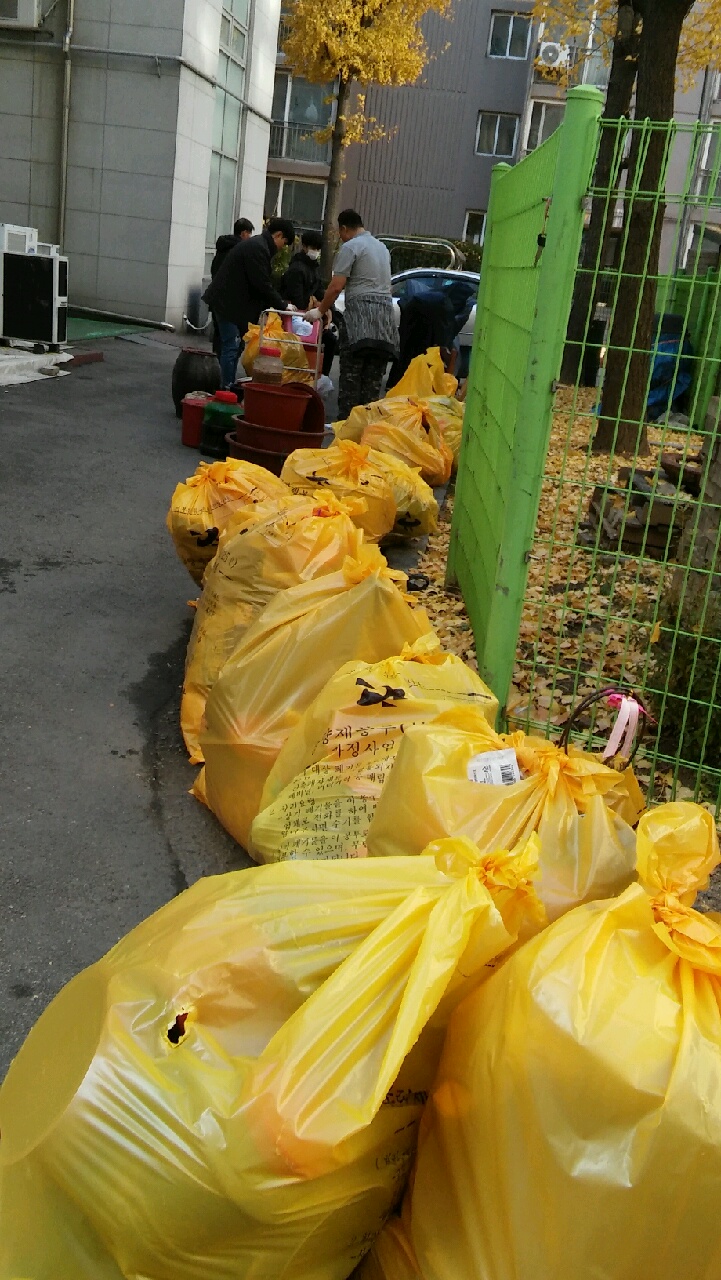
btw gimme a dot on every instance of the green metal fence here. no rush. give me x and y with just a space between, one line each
529 261
624 581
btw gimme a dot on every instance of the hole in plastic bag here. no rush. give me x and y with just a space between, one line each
178 1030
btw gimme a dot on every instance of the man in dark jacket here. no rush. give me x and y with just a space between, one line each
243 287
301 281
242 230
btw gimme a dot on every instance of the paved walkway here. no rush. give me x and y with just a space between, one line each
96 830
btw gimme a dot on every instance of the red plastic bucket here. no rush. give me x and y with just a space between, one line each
273 462
192 413
293 407
257 436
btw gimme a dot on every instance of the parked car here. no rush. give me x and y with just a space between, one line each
462 285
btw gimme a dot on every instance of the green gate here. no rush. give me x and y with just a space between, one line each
534 227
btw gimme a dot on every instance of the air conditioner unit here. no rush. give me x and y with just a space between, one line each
23 14
553 55
17 239
34 298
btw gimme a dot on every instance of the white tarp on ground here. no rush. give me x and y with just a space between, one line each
17 366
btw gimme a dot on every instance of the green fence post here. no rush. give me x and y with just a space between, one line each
559 261
479 340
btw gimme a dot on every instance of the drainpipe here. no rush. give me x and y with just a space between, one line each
67 85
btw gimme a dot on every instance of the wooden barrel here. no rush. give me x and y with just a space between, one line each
194 370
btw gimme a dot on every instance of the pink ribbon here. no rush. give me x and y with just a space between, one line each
630 711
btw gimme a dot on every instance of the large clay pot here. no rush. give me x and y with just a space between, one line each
194 370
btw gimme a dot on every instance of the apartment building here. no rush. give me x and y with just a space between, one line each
298 164
473 106
132 134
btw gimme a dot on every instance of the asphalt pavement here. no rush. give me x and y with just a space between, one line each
96 827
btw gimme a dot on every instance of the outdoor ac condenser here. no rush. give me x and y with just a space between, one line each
21 14
34 298
17 239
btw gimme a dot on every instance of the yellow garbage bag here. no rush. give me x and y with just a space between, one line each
234 1090
446 413
406 431
321 793
298 363
426 376
347 471
574 1127
416 506
299 641
443 784
297 540
201 508
392 1256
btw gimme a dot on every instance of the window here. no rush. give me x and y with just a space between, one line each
303 202
299 110
474 227
545 119
496 134
229 94
510 36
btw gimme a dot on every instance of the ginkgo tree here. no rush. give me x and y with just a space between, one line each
663 39
352 44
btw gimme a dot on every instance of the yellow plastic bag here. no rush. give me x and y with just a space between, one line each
322 791
392 1256
446 413
416 506
234 1090
296 541
582 810
298 364
406 431
347 471
299 641
574 1128
426 376
201 508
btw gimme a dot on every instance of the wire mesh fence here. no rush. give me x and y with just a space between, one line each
625 577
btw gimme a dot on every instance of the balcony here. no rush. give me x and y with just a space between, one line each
709 188
297 142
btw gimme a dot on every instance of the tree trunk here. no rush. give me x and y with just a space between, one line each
618 104
335 178
621 428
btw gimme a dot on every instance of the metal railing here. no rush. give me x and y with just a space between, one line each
297 142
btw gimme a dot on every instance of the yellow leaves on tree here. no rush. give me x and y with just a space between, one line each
354 43
587 25
368 41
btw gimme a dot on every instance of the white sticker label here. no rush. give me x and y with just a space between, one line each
495 768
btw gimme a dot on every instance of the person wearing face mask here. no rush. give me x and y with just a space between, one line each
243 287
302 285
301 282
